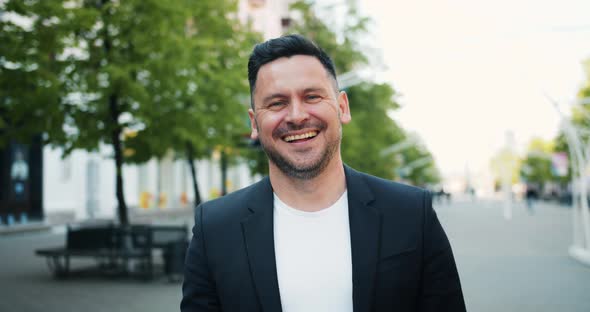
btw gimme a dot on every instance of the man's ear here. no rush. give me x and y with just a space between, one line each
345 116
253 126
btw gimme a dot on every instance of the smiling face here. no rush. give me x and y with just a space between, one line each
297 115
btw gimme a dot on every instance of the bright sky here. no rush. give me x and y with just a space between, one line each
468 71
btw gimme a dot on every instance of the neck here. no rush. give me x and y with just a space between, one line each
313 194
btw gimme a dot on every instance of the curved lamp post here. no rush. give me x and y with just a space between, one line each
580 248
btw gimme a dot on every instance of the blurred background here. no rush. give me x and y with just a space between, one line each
125 115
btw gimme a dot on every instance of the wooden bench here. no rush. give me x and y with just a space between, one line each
113 247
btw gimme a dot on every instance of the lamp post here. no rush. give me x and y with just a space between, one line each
507 166
580 249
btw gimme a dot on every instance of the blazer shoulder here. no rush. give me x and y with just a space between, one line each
394 200
394 190
235 204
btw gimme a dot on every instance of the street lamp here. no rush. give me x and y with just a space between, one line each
580 249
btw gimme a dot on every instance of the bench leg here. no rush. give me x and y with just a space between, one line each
146 268
58 266
150 266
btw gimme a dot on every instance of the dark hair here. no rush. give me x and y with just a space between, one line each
285 46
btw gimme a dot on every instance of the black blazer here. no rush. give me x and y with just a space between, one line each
401 257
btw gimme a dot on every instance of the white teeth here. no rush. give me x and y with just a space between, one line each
300 136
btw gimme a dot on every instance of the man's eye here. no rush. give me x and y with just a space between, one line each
313 97
276 104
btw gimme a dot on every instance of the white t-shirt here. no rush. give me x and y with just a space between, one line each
313 256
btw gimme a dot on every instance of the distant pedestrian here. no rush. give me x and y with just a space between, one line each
472 194
530 197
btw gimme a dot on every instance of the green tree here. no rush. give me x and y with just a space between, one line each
371 130
580 118
536 166
341 44
143 77
130 54
418 166
31 63
210 104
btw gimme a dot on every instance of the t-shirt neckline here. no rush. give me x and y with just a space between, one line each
281 206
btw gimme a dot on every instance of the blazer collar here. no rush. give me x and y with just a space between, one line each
260 248
365 233
365 228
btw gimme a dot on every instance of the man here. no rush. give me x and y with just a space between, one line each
315 235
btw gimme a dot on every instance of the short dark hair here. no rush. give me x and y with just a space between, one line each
285 46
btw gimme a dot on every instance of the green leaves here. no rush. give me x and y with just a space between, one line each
580 119
31 85
145 76
371 130
341 44
536 165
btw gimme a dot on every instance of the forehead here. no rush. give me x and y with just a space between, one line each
290 73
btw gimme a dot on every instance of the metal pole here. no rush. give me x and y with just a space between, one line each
583 183
583 163
577 231
508 200
580 250
507 169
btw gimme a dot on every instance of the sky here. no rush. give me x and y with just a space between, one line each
468 72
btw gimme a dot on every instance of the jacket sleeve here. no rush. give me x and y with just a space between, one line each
441 288
198 289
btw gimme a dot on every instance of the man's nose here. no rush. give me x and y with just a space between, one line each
297 112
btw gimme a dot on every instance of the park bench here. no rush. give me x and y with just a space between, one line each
119 250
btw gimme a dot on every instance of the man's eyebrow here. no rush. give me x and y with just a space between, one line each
314 89
273 96
281 95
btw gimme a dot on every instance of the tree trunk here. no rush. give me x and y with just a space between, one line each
223 173
117 147
190 156
158 182
116 131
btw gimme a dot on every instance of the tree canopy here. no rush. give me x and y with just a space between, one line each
580 119
31 69
536 165
141 76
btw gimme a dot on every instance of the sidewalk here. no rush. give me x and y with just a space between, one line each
27 285
519 265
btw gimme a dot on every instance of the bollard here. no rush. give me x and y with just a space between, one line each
23 218
9 219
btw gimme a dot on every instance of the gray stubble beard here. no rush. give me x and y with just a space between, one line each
305 173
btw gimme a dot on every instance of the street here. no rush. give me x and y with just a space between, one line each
518 265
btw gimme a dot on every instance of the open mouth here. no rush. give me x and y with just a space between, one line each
300 137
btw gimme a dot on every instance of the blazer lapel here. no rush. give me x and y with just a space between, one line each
365 230
259 237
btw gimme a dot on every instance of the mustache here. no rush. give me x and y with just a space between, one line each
290 127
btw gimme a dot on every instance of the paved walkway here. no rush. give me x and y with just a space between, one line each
519 265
